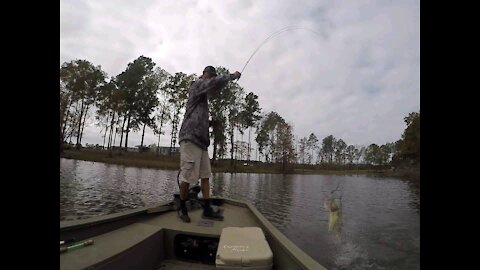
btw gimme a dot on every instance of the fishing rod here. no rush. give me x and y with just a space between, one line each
273 35
75 246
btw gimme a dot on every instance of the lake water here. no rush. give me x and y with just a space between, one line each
378 226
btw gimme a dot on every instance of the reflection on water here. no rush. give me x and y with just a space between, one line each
89 188
265 192
378 220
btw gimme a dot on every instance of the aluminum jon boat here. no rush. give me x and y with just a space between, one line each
155 238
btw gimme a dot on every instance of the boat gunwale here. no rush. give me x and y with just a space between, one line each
96 220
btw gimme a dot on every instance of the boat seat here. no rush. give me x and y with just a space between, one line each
118 249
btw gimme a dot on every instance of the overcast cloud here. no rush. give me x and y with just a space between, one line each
355 78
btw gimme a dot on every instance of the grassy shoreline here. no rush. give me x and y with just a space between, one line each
150 160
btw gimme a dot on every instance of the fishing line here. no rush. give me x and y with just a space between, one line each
277 33
336 189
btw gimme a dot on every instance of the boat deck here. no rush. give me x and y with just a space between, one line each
235 216
121 240
144 239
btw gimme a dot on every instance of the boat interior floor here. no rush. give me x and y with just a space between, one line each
180 265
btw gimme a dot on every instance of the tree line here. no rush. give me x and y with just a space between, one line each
145 95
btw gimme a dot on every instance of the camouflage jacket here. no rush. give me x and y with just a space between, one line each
195 122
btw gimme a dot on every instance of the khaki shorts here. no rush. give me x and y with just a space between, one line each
194 163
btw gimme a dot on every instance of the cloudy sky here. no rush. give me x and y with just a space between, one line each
351 68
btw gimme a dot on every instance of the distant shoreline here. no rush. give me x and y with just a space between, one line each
150 160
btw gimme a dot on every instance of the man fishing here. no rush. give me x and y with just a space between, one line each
194 140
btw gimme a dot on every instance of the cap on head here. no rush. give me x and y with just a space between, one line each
211 70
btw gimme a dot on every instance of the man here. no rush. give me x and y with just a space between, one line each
194 139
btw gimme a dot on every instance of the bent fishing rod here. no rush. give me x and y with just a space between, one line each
273 35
